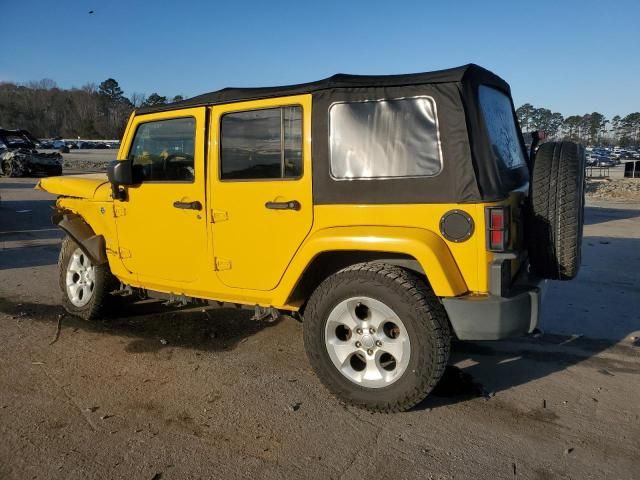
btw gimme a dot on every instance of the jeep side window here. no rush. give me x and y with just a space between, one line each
261 144
389 138
163 150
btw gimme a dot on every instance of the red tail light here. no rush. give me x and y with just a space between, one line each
497 228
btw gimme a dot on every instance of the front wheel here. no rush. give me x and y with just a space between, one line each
12 169
377 336
86 288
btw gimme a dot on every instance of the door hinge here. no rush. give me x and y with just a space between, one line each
218 216
124 253
119 211
222 264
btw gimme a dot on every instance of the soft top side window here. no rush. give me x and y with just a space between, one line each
261 144
163 150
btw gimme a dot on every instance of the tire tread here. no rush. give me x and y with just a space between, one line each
422 298
102 300
555 220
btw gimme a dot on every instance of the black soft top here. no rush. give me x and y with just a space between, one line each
467 73
470 171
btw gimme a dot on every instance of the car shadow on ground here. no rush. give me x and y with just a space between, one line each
151 326
487 367
493 367
596 215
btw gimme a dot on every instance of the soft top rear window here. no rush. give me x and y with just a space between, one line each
502 129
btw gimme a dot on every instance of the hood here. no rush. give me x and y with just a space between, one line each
79 186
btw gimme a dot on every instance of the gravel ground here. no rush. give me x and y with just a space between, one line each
607 184
614 189
161 393
83 161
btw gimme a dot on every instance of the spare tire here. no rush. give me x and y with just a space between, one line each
556 210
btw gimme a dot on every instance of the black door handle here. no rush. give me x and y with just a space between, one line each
188 205
290 205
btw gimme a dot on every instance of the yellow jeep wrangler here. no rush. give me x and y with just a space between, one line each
391 213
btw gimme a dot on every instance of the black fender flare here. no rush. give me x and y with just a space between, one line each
81 232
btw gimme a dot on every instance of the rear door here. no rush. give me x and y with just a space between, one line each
260 188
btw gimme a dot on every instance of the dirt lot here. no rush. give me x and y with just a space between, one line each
173 394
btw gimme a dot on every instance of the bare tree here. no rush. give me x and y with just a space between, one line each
137 99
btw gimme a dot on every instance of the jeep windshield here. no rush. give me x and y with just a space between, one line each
504 135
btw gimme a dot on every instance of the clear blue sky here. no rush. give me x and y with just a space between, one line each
571 56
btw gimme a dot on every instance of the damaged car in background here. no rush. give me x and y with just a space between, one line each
19 157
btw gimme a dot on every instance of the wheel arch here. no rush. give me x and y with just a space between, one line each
80 231
330 250
329 262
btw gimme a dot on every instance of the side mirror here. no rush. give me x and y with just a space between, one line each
120 173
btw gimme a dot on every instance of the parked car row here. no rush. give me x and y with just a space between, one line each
627 154
79 145
610 157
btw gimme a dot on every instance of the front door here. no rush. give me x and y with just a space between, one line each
260 188
162 223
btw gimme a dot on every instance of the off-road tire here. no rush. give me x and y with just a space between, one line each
555 216
424 317
102 302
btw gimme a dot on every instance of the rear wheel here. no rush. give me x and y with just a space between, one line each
377 336
556 214
85 287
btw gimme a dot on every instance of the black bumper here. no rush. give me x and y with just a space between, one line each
497 316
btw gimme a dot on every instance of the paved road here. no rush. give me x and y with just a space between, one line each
189 394
604 302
